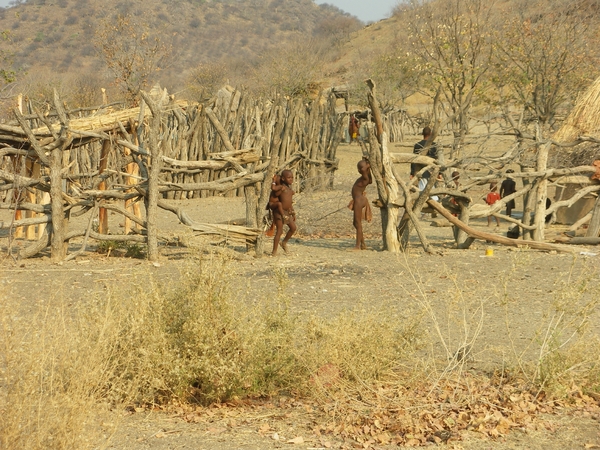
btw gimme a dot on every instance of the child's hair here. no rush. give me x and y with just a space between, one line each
493 186
455 175
361 163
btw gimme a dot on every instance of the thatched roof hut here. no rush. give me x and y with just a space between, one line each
583 120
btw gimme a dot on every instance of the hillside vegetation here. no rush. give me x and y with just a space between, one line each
455 56
45 39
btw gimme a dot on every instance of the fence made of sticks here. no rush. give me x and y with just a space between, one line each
401 202
56 165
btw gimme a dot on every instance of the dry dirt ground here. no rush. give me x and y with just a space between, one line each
518 287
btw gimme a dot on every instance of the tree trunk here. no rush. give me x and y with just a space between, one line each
152 203
463 240
541 195
156 160
528 201
387 185
390 236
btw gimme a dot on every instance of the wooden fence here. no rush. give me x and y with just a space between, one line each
58 165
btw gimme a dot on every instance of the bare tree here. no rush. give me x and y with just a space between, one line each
206 79
132 52
338 29
547 53
395 75
452 42
289 70
8 75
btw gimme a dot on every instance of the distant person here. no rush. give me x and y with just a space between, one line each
508 187
419 149
455 181
492 197
454 184
353 128
360 203
288 217
548 217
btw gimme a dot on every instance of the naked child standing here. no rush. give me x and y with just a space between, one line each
288 217
360 202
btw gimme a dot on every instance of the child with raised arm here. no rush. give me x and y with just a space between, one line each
360 203
287 215
492 198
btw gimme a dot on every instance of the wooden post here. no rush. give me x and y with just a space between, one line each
153 194
541 194
102 212
33 171
528 205
134 170
390 240
58 249
45 200
387 185
16 163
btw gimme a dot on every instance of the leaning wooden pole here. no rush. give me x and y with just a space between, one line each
494 237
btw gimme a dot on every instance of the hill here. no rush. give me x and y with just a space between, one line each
58 36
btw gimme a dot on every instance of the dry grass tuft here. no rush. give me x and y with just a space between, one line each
49 378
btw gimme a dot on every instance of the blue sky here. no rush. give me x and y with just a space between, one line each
365 10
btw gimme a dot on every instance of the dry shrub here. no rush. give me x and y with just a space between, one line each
49 378
360 346
443 393
198 342
191 341
568 350
375 371
187 342
562 348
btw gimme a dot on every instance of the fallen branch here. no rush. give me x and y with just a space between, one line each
493 237
234 232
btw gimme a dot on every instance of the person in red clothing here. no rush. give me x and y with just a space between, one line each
492 198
